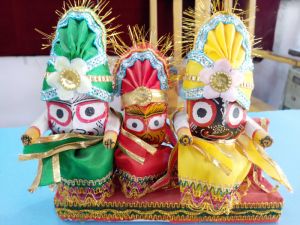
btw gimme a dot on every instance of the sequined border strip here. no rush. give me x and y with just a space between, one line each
191 94
87 183
198 54
98 93
155 63
245 212
101 57
101 94
197 93
202 186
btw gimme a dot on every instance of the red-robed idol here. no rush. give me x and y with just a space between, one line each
144 142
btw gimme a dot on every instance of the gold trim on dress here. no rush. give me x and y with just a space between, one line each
56 168
38 177
175 214
92 78
131 155
65 147
143 96
101 78
149 148
197 78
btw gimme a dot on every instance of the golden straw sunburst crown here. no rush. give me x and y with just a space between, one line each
141 40
100 12
193 20
142 50
211 35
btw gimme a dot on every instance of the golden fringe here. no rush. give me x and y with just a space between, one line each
207 206
71 198
130 182
193 20
170 215
174 205
140 38
96 8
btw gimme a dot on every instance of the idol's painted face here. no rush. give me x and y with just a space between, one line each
82 114
147 122
214 119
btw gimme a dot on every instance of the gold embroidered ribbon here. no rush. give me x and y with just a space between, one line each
197 78
135 152
54 153
213 153
143 96
257 155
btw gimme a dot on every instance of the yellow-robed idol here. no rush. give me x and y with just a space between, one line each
218 142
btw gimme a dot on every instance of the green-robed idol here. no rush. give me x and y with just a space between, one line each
77 156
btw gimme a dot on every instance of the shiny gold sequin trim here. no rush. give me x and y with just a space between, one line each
196 78
101 78
82 196
56 168
253 212
149 148
131 155
87 183
143 96
135 187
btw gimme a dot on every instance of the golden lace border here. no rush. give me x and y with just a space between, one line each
176 205
129 214
87 183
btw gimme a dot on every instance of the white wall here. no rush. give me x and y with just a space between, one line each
20 85
270 77
21 77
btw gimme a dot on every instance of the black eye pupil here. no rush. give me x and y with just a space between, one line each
134 125
156 122
89 111
59 113
236 113
201 112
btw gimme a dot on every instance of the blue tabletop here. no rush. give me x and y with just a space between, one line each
18 206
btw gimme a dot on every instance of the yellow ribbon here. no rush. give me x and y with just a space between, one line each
213 153
149 148
257 155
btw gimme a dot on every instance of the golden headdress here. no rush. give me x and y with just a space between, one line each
220 63
142 72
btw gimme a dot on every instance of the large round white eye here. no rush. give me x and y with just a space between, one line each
91 111
157 122
60 113
134 124
235 115
204 112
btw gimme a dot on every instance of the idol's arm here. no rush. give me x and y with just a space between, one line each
182 129
112 130
37 128
257 133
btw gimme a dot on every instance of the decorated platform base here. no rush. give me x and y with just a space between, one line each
255 207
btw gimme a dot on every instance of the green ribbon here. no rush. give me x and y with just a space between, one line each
91 163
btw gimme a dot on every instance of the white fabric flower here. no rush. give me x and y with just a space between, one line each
70 77
221 81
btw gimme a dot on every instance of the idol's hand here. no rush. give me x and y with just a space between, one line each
184 136
257 133
262 138
31 135
110 139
